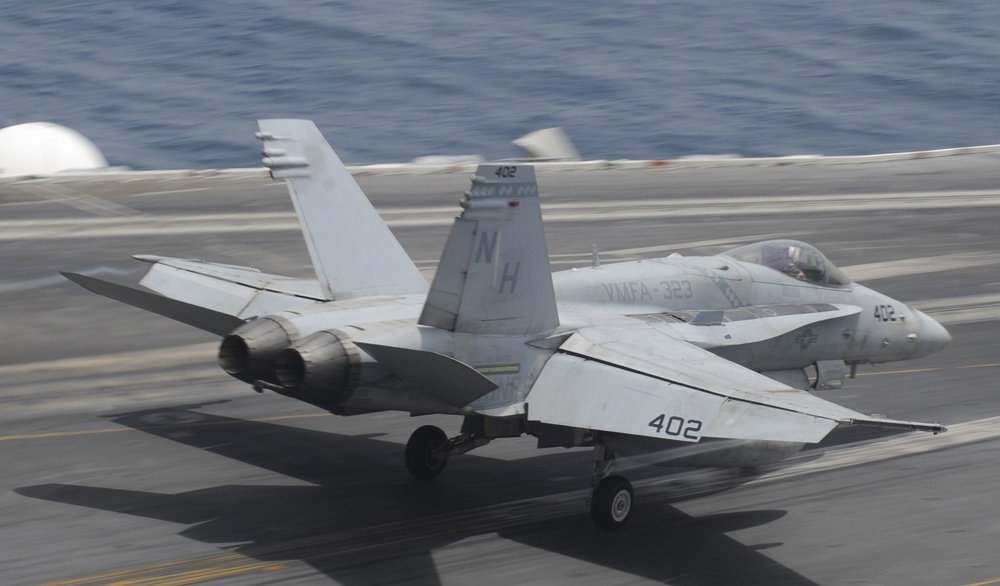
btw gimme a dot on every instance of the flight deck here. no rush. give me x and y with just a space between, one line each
129 457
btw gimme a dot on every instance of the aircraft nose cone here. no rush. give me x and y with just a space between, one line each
931 336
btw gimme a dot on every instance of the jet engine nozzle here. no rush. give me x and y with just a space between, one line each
248 353
320 366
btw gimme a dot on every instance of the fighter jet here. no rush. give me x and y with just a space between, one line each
679 361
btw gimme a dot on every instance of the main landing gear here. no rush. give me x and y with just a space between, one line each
425 452
428 450
611 496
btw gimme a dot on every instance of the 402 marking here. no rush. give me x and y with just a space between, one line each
675 426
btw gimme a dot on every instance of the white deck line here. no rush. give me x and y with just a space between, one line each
691 162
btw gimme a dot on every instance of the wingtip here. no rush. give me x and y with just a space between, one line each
878 420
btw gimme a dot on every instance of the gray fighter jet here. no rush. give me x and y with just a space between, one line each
681 361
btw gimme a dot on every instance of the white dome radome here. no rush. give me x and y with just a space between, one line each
44 148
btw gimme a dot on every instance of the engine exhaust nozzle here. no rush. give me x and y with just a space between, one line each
320 366
249 352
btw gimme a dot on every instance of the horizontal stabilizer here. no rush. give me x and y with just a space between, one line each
208 320
444 378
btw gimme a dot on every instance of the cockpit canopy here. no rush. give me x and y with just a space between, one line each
796 259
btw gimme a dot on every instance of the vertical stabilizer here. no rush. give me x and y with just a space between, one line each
352 250
494 275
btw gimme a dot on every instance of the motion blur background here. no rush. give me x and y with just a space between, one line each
179 84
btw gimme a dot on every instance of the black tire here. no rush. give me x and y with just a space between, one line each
424 452
611 505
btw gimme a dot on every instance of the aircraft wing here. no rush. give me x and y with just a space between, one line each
353 252
640 381
213 297
243 292
202 318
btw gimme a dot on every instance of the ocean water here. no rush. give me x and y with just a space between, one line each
179 84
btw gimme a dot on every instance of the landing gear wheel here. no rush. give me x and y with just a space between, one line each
612 503
425 456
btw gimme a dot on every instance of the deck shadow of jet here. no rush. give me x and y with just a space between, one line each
363 521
